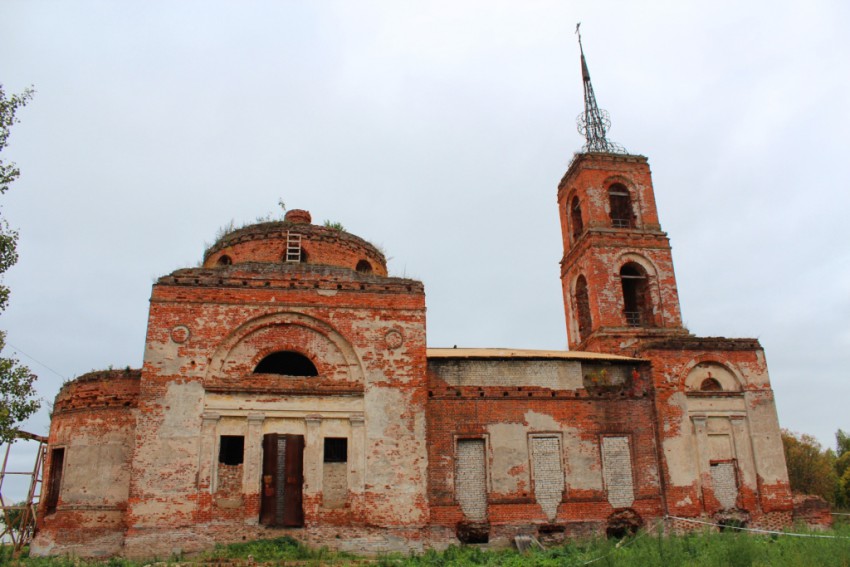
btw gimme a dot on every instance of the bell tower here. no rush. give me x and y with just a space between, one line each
617 268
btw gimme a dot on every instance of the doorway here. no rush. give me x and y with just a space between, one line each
282 481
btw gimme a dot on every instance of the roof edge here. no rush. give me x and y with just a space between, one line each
528 354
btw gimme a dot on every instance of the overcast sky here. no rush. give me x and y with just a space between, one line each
439 131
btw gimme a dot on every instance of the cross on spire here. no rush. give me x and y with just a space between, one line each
594 122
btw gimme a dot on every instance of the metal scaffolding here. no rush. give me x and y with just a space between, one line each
19 517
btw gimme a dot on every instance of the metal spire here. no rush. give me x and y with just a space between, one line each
594 122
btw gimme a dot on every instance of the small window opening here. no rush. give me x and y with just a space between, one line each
585 322
224 260
620 200
636 303
575 218
54 483
287 363
231 449
336 450
711 385
364 267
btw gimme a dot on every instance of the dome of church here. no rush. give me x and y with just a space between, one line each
295 240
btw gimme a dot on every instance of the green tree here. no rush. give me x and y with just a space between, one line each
810 467
842 469
17 391
842 442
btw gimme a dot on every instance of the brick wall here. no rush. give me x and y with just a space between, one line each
600 251
512 418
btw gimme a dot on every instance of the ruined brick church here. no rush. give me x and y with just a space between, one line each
287 388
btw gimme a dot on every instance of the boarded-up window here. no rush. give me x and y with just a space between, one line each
548 474
471 479
54 482
617 471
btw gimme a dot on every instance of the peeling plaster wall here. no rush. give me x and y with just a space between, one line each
94 423
736 424
368 345
514 419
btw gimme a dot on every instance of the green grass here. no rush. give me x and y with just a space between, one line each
275 550
728 549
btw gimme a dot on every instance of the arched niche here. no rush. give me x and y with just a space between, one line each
711 377
238 356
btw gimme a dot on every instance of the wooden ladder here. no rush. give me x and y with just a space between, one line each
293 247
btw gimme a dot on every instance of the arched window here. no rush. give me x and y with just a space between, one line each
620 201
364 267
575 218
224 260
585 323
711 385
636 301
287 363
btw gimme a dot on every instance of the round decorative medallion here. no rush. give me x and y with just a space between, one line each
394 339
180 334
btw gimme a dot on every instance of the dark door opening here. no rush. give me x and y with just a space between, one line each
54 482
282 482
